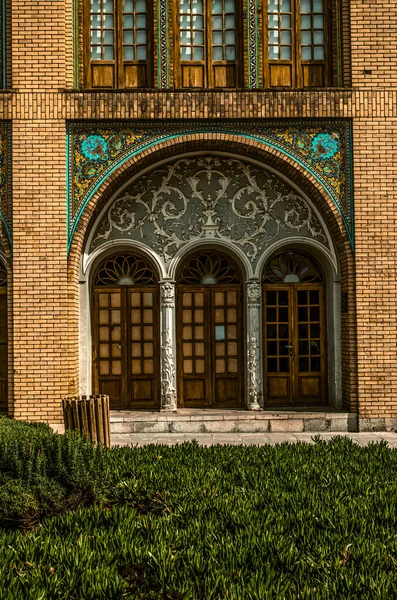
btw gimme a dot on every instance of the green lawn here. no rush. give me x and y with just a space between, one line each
226 522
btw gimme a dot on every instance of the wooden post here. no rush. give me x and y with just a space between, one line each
91 416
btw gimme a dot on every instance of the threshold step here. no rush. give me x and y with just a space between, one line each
211 422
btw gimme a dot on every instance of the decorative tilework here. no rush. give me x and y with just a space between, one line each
252 43
323 148
163 57
5 178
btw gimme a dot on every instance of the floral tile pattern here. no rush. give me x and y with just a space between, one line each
323 148
5 178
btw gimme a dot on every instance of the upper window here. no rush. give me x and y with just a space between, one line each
208 52
118 37
294 49
296 53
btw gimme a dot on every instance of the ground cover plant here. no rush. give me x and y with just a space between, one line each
186 522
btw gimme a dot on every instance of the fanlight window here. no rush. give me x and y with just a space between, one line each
292 267
209 268
124 270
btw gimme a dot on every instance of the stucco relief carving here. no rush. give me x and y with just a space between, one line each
254 293
167 292
254 385
168 373
208 197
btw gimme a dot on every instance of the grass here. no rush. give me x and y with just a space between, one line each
186 522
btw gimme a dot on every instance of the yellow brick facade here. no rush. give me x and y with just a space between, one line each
44 281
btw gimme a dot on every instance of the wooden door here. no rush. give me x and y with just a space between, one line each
294 344
210 336
126 346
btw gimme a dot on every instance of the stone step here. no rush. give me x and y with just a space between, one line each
206 421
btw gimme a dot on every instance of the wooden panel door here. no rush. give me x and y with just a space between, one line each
294 344
210 346
109 351
194 360
309 344
278 367
226 344
144 357
126 346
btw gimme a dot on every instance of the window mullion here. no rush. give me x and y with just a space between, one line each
297 43
208 41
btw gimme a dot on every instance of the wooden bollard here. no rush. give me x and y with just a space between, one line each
88 415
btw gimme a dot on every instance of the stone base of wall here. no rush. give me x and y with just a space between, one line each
377 424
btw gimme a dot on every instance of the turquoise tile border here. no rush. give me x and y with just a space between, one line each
96 149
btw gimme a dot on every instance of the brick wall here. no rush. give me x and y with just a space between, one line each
44 324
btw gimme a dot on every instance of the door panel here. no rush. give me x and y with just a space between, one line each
226 306
142 308
210 346
194 360
310 345
125 346
109 346
294 344
278 374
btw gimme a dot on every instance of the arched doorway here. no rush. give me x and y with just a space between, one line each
125 321
210 332
294 319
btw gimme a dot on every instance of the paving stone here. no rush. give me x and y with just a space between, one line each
391 424
253 427
206 439
246 416
151 427
122 427
389 437
318 424
339 424
372 425
186 427
293 425
220 427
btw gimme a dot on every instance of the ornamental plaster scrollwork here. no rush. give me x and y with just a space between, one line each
168 373
208 197
168 370
254 383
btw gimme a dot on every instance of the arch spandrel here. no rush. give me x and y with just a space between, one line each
208 198
100 154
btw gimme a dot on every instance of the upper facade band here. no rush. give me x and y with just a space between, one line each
212 44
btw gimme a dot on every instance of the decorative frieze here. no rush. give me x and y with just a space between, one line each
208 197
323 148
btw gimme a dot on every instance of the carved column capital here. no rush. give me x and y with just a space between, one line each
254 292
167 293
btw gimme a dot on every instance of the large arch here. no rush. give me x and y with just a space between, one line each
338 260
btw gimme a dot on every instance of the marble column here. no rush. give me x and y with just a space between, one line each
254 370
168 362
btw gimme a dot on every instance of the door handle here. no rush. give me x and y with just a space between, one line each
291 349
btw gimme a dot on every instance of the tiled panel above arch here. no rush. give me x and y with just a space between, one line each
322 148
